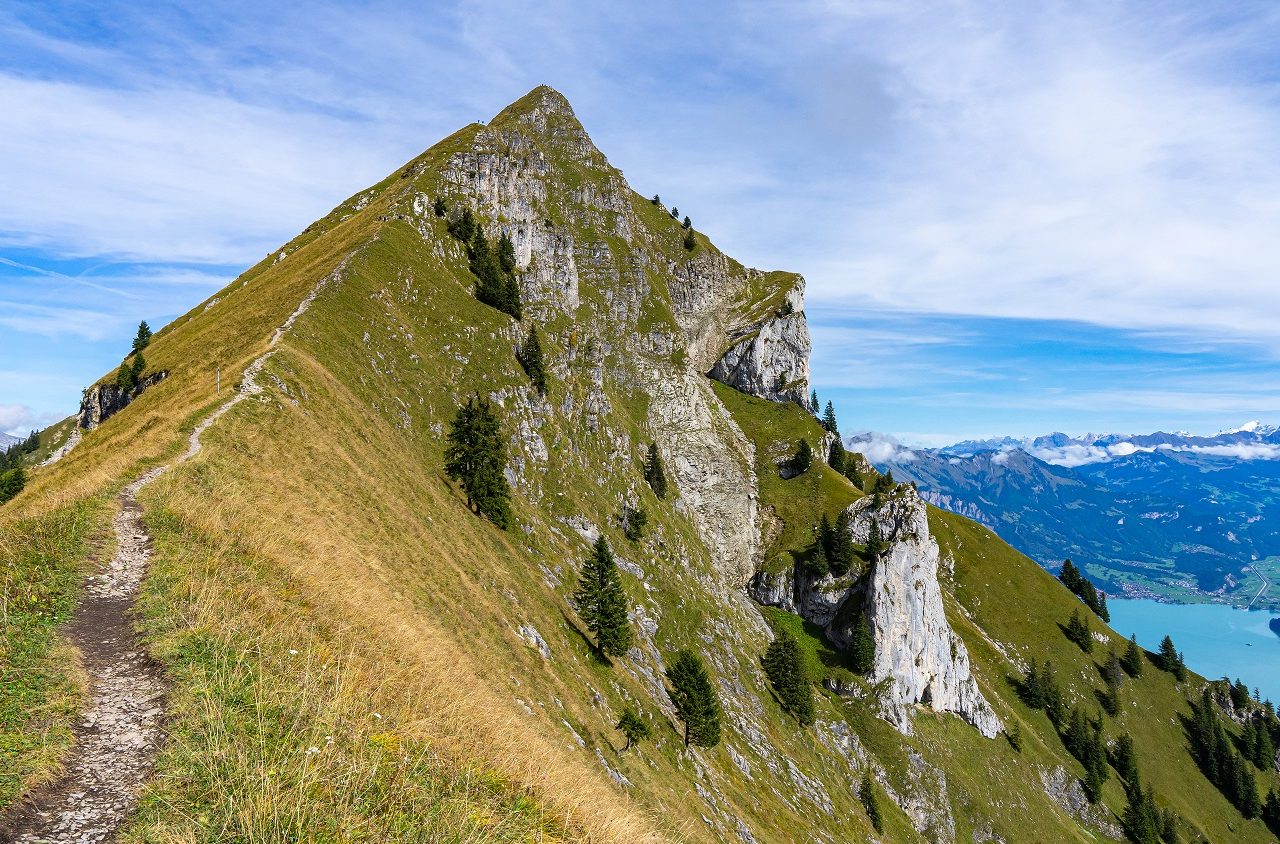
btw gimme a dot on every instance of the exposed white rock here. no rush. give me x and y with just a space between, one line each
772 361
915 646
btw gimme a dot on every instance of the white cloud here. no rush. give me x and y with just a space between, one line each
880 448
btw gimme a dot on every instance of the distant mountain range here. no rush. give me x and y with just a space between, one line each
1178 516
7 440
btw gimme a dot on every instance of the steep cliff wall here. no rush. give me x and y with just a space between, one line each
915 646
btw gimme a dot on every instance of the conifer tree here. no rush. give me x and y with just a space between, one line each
137 368
829 419
12 482
475 456
506 254
654 474
1078 631
602 603
675 212
1125 760
818 565
688 224
803 458
1271 812
1070 576
634 520
439 207
695 699
143 338
689 240
837 456
1132 659
785 667
867 794
875 542
862 645
840 551
530 358
657 200
635 728
813 402
1168 659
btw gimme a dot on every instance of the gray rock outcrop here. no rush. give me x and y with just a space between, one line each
915 646
104 400
916 650
772 360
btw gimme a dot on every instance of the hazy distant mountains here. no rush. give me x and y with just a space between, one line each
7 440
1173 514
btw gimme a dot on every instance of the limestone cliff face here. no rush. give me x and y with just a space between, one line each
534 175
773 360
915 646
103 400
916 649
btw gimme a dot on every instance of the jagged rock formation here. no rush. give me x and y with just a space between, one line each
916 649
103 400
772 361
512 174
915 646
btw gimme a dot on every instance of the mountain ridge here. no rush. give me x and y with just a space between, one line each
349 647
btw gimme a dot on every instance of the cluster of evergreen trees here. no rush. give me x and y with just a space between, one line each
1221 762
13 477
867 794
134 364
1144 821
476 457
1039 689
1077 630
833 549
1083 739
494 269
12 482
1074 580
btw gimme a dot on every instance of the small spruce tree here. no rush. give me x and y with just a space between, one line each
475 456
862 645
439 207
1131 662
688 224
634 520
840 549
813 402
829 419
785 667
837 456
689 240
875 542
143 338
695 699
602 603
654 473
635 728
530 358
867 794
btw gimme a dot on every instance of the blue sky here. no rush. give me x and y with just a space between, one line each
1013 217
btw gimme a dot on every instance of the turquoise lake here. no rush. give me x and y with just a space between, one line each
1216 640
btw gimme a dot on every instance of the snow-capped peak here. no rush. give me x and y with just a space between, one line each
1253 426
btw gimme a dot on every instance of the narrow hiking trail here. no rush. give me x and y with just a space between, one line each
117 737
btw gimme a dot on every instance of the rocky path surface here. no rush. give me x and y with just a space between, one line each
118 735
